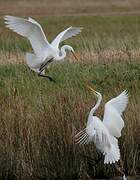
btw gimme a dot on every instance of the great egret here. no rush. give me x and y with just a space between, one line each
105 133
44 52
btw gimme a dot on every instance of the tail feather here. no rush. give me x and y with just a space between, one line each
112 155
34 62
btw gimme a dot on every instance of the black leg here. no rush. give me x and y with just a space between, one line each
48 77
45 64
42 67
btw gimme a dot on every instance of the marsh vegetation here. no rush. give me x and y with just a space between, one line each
39 119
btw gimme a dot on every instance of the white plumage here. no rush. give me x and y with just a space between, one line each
68 33
105 133
30 29
112 115
43 50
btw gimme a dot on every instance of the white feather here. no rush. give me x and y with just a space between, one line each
112 115
43 51
124 177
30 29
32 61
68 33
104 134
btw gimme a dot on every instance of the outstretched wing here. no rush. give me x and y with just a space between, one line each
95 131
68 33
30 29
112 114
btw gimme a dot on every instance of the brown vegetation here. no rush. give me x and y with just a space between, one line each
68 7
38 119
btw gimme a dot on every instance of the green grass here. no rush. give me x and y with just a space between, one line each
39 119
99 31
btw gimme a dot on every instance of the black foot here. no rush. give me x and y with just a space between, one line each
51 79
48 77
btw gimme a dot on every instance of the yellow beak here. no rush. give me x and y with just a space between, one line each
91 89
75 56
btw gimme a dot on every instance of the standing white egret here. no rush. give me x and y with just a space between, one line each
44 52
105 133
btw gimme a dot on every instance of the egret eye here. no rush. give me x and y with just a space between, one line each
67 50
44 53
105 133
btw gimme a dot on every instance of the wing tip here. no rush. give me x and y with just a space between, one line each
126 93
8 17
79 29
81 137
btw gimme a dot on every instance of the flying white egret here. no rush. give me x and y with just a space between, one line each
44 52
105 133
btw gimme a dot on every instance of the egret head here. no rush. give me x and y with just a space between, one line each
96 93
70 49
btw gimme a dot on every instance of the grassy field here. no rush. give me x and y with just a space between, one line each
39 119
109 35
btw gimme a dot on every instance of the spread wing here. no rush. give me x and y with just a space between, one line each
68 33
95 131
84 137
30 29
112 115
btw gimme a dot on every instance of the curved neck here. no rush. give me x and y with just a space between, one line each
96 106
62 53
